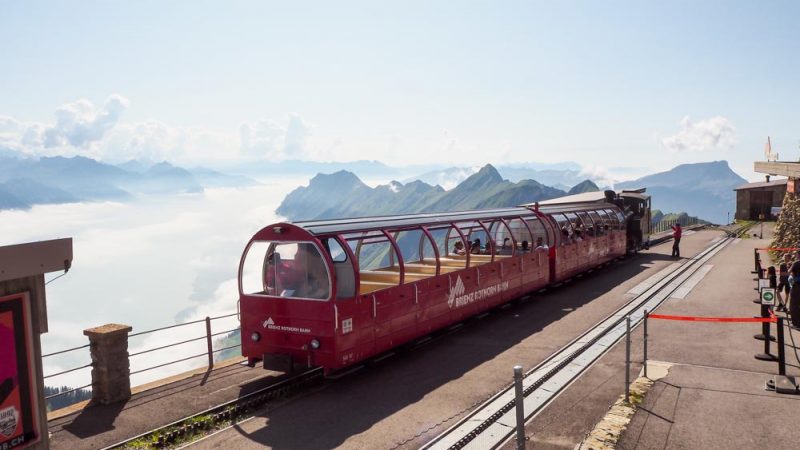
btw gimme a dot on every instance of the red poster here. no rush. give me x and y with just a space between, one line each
18 408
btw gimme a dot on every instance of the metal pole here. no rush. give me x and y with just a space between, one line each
645 342
209 343
520 401
781 352
627 359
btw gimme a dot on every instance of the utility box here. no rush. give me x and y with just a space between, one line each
23 318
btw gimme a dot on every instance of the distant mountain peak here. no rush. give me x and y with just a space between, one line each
583 186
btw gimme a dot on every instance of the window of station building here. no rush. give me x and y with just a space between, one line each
502 238
522 235
285 269
538 232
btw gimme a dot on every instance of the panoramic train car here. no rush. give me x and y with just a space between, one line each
332 293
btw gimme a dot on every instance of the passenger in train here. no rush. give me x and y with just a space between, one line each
476 247
590 231
506 249
540 245
458 248
524 246
579 235
565 238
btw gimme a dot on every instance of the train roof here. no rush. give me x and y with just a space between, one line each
360 224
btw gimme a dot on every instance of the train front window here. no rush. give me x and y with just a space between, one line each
285 269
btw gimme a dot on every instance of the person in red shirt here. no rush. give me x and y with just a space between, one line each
676 240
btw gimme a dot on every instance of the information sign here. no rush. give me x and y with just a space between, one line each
18 397
768 296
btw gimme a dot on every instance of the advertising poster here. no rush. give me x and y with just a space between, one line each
18 409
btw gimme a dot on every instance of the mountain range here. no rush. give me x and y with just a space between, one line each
25 182
343 194
704 190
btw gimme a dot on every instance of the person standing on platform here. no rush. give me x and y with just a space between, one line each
794 294
676 238
783 281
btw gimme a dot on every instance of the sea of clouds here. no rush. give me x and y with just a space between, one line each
152 262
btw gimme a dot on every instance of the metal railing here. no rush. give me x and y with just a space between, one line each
207 336
665 225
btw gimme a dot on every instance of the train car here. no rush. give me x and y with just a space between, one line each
331 293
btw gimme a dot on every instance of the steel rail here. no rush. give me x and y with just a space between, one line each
559 364
231 410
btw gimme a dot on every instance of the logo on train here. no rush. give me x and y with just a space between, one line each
270 325
459 297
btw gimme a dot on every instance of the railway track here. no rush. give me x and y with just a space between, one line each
493 423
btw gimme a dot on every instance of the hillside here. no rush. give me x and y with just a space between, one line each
704 190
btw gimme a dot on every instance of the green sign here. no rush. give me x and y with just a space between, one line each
768 296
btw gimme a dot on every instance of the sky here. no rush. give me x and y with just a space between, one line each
605 84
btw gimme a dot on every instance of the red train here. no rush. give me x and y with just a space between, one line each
332 293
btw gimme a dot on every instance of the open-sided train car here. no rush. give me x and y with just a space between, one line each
332 293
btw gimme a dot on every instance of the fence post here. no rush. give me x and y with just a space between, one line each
209 343
627 359
111 374
645 342
520 402
781 351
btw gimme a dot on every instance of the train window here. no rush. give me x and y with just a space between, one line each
521 234
285 269
479 245
588 224
451 248
502 239
612 217
414 244
537 228
334 249
599 225
608 225
343 269
377 262
622 222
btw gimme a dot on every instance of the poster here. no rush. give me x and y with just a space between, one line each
18 408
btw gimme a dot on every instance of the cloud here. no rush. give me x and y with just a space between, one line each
715 133
80 124
599 174
269 139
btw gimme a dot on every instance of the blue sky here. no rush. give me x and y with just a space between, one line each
604 84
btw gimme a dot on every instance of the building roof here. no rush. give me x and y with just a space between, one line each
761 184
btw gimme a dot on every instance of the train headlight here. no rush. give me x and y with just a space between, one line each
255 337
314 344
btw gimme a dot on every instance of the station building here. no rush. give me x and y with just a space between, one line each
755 199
